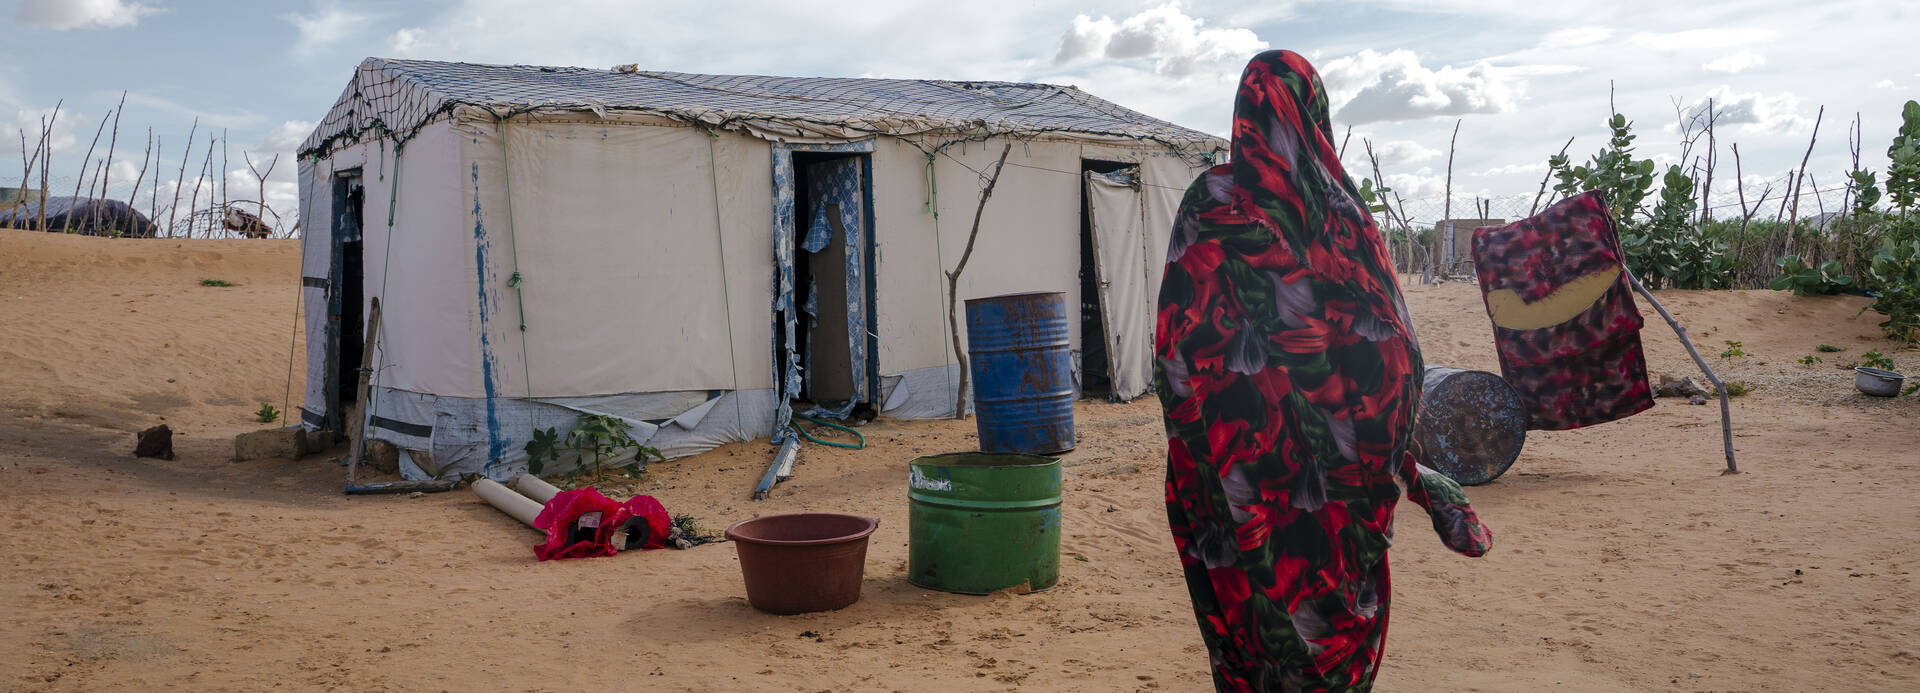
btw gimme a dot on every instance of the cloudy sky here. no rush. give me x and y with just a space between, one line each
1522 76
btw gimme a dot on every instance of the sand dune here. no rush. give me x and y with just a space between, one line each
1622 559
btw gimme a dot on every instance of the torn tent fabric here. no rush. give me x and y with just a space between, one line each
1563 315
567 539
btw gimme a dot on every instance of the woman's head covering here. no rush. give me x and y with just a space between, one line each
1286 169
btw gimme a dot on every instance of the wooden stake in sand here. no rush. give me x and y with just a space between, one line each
1726 415
359 423
953 285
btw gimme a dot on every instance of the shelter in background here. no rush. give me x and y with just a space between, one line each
80 215
13 196
692 253
1456 239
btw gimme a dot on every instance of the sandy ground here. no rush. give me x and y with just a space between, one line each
1623 560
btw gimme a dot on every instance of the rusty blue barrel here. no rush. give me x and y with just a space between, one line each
1022 373
1471 424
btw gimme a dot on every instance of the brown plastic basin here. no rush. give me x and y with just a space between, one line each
802 562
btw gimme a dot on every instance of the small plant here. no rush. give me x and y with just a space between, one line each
596 438
1910 389
1828 349
267 414
544 448
1733 350
1874 359
217 282
1809 360
1738 388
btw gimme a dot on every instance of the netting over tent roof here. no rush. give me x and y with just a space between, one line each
400 96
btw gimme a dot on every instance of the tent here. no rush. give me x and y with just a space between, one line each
92 217
693 253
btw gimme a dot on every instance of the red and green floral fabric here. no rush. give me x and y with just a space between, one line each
1289 375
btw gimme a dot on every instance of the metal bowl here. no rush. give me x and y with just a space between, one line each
1876 382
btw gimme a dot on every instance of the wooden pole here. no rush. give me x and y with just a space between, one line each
1446 214
46 161
360 393
143 171
953 284
180 180
1793 199
67 225
1535 208
1726 416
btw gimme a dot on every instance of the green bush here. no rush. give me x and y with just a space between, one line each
1810 281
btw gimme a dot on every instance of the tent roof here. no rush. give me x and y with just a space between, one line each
403 95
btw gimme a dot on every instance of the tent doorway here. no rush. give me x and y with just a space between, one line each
832 249
346 296
1096 319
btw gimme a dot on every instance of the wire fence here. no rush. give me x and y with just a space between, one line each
208 210
1758 224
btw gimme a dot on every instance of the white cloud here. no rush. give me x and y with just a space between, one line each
327 25
1398 152
1420 184
1703 38
1530 168
62 15
1176 42
287 136
1757 113
1577 36
122 172
232 119
1735 62
414 41
1370 87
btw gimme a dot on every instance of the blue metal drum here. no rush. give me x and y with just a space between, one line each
1022 373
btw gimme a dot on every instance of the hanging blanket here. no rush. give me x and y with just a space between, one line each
1563 315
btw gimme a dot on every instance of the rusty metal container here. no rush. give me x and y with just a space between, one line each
982 522
1022 373
1471 424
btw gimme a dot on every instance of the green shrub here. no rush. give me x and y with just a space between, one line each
1803 280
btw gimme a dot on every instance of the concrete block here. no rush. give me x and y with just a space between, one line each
288 443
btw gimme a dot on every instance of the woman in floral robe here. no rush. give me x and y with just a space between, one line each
1289 374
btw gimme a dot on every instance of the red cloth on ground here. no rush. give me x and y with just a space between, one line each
560 514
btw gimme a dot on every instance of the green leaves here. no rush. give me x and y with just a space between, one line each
1804 280
544 446
1895 274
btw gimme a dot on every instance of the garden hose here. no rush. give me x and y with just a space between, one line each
809 436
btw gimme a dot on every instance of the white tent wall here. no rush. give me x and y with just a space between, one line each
420 265
1029 241
615 227
623 281
316 205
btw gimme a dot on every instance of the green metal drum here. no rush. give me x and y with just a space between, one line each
980 522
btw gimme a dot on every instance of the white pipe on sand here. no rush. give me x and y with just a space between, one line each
534 487
513 504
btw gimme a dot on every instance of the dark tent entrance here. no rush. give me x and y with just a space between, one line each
825 342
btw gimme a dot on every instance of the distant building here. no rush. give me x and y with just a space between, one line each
1456 238
12 196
